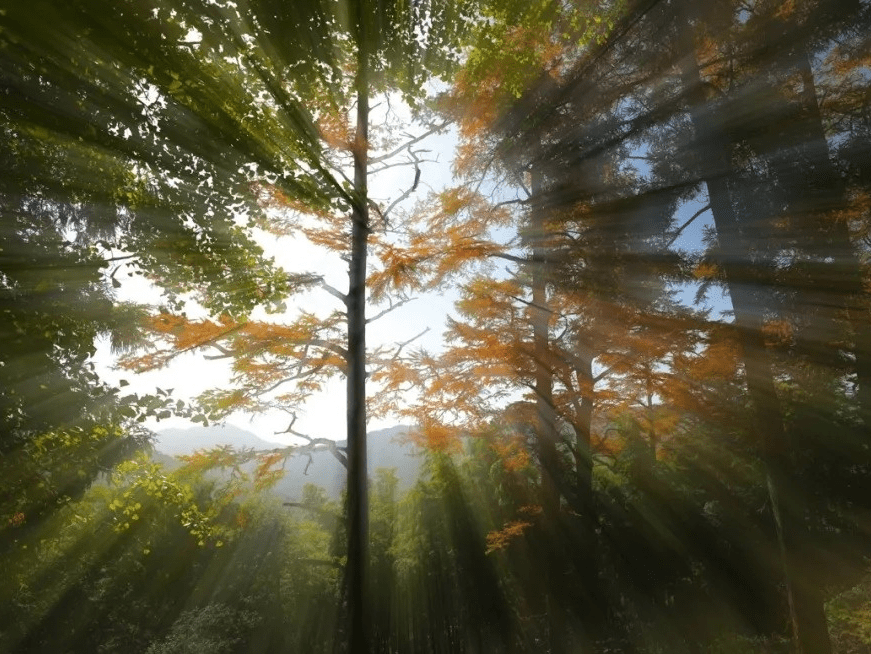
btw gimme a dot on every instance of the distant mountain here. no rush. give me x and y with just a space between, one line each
186 441
388 448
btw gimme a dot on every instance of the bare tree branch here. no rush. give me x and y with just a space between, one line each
408 342
122 257
334 291
685 225
406 163
509 257
409 191
434 130
314 444
393 306
507 202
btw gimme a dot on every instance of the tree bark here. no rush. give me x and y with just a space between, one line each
545 412
827 194
358 502
546 428
593 600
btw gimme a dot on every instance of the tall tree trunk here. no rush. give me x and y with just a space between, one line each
593 601
546 428
545 412
582 424
826 194
809 635
357 567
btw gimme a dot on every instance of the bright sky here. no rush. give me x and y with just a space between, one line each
324 416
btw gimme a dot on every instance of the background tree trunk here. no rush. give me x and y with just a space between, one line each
711 146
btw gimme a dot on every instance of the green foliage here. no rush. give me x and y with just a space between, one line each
212 629
849 615
141 481
149 578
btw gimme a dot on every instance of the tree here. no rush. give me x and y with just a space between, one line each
732 147
653 118
203 109
592 298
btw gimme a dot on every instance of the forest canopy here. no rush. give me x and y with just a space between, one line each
643 427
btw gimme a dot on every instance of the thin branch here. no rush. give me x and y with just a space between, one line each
339 170
508 257
398 352
573 238
602 374
393 306
317 342
328 345
523 186
408 342
557 339
408 191
507 202
121 258
211 342
405 163
434 130
224 353
302 374
334 291
485 172
534 305
314 444
685 225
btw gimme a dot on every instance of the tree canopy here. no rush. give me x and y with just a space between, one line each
646 426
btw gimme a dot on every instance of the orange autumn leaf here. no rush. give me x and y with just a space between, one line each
512 452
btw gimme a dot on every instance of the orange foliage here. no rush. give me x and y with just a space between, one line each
500 540
263 354
335 130
718 361
203 460
186 334
522 53
398 375
264 475
284 219
785 9
611 444
402 271
705 270
777 332
332 240
513 453
456 235
453 201
437 436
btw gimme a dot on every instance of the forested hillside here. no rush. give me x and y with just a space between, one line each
644 426
390 449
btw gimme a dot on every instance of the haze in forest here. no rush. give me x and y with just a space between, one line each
389 449
612 260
